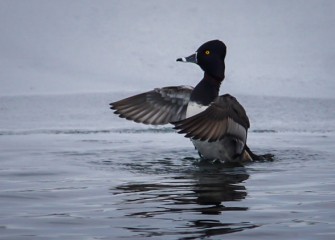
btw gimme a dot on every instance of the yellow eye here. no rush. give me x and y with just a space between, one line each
207 52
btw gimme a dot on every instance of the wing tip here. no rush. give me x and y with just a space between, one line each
112 106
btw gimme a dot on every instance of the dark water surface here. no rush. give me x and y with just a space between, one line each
69 169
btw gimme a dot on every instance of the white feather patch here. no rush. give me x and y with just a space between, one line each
194 108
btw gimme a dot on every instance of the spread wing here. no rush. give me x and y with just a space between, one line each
225 116
156 107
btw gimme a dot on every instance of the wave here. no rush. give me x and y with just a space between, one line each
84 131
159 130
264 131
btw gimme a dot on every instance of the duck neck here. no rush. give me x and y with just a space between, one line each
206 91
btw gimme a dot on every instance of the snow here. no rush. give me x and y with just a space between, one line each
282 48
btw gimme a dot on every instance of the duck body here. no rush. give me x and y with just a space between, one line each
229 147
217 125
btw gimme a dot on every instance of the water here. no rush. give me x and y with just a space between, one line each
70 169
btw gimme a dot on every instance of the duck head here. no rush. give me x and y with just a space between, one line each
210 57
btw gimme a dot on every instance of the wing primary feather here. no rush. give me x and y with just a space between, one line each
185 126
132 112
213 136
201 132
159 106
196 129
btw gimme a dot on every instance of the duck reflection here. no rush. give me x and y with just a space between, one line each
210 184
204 190
217 183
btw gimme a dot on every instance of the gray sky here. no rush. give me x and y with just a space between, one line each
283 47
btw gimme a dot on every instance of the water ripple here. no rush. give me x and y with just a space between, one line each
205 190
158 130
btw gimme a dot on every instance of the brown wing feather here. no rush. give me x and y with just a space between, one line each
157 107
225 116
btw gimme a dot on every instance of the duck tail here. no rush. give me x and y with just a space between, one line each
255 157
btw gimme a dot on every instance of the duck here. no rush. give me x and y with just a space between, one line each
216 125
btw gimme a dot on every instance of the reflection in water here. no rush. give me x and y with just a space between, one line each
184 201
216 184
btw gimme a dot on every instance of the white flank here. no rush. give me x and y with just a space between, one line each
193 108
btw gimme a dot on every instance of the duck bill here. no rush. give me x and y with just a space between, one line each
190 59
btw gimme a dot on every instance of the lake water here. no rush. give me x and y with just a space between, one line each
70 169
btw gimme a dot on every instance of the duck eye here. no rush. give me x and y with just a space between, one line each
207 52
